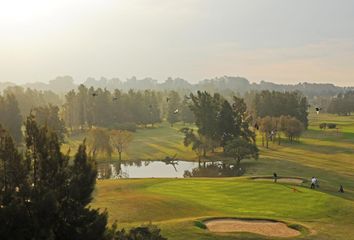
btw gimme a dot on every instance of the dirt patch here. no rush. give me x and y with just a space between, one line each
262 227
281 180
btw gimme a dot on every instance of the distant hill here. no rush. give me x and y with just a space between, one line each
238 85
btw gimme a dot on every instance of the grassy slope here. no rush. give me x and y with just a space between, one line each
175 203
149 144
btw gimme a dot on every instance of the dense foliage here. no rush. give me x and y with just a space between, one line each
272 128
343 104
275 104
10 116
49 116
221 124
43 196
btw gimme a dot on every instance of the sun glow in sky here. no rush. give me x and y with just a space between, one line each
283 41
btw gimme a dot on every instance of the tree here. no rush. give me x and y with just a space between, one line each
120 140
226 123
69 109
291 127
275 104
46 198
79 221
197 141
49 116
206 108
238 148
10 116
13 185
99 142
173 108
30 98
143 232
151 110
343 104
242 120
266 127
187 116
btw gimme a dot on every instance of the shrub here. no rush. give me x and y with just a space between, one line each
200 224
144 232
331 125
323 125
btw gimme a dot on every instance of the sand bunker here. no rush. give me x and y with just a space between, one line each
281 180
262 227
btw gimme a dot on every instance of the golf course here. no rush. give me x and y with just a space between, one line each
182 207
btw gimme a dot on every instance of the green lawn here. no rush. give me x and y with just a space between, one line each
148 144
174 204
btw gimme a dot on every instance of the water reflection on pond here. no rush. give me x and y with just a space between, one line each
163 169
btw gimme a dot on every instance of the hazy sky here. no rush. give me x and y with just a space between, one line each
284 41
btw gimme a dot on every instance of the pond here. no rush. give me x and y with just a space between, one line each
165 169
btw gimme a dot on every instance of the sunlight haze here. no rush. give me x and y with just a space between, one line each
281 41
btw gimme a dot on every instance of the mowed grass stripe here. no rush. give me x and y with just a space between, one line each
174 203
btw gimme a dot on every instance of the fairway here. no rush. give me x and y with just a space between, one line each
148 144
175 204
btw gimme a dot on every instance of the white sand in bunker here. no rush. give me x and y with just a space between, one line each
282 180
262 227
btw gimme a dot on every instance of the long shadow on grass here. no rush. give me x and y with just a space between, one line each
329 182
329 135
325 149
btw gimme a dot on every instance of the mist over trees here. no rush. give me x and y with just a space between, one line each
85 108
29 98
10 117
240 85
89 107
343 104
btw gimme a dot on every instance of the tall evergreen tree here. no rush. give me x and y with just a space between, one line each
48 198
10 116
49 116
226 123
187 116
173 111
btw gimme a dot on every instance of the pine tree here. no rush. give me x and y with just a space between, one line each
226 123
10 116
47 198
173 114
49 116
187 116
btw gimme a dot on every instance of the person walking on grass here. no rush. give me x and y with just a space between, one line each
275 177
313 182
316 183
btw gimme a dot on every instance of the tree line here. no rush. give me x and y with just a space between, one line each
223 84
343 104
89 107
272 128
276 104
